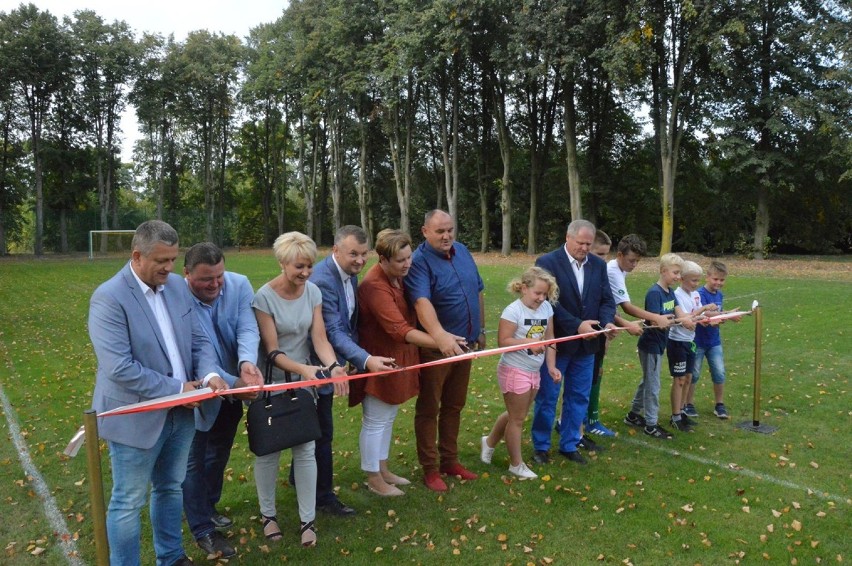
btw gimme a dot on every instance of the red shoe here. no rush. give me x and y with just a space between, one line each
434 482
459 470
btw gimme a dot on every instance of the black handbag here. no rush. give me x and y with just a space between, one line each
278 422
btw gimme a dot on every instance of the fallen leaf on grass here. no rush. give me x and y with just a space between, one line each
797 526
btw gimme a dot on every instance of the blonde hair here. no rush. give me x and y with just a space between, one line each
671 260
530 276
292 245
390 242
691 268
717 267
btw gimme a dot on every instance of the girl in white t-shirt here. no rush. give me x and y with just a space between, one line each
528 319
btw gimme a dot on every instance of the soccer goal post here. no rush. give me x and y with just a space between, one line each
120 241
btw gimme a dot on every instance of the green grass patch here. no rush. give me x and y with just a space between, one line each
718 495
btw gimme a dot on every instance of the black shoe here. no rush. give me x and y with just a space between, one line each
575 457
337 507
183 561
220 521
634 419
589 445
656 431
686 420
216 543
541 457
680 425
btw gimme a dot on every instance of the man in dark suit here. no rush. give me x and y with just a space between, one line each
585 303
223 300
149 344
337 278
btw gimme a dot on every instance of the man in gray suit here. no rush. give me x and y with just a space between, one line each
149 344
223 299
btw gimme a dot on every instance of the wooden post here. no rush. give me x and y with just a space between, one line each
96 487
758 354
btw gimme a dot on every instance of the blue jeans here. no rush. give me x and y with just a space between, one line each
715 360
577 370
205 469
163 466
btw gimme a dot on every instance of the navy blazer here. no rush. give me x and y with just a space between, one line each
596 302
133 364
341 332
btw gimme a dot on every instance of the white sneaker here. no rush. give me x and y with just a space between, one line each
486 453
523 472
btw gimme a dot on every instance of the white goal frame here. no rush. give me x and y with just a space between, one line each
93 232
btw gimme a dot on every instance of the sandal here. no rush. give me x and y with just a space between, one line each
309 534
270 528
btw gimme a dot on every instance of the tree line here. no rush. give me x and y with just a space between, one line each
708 126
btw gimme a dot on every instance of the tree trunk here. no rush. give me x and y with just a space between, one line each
570 124
505 141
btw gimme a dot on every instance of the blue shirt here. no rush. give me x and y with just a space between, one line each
657 301
708 336
452 284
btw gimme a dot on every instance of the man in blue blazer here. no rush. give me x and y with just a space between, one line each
223 300
149 344
337 278
585 303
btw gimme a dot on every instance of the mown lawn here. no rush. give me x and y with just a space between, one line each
718 495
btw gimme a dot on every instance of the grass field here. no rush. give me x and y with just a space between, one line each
716 496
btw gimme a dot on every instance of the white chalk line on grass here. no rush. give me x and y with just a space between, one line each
739 470
715 463
51 508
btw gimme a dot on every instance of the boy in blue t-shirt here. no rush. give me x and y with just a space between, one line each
708 342
660 299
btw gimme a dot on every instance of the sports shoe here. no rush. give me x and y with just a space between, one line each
486 452
598 429
720 411
680 425
689 410
656 431
686 420
634 419
541 457
523 472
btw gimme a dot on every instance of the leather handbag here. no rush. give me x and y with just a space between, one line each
278 422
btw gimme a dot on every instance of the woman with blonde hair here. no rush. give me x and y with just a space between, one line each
289 315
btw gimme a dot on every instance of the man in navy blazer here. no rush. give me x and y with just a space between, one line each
223 299
149 344
585 303
337 278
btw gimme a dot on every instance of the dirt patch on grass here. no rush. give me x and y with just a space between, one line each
825 268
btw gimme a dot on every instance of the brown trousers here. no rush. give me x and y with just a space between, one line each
443 392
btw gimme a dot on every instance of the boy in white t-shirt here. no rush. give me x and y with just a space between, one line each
527 319
681 348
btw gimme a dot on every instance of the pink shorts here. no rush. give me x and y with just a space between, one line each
514 380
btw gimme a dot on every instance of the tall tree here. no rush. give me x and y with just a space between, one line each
785 80
39 60
206 68
105 55
674 41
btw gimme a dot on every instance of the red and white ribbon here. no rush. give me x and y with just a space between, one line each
207 393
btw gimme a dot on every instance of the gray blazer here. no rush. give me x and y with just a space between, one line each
133 365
